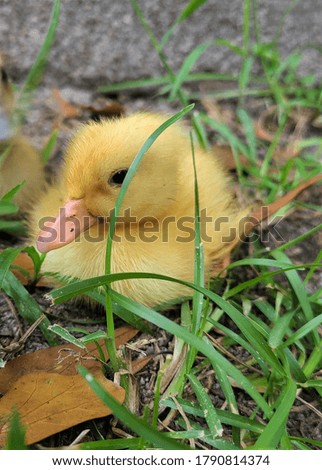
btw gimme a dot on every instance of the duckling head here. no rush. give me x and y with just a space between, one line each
96 163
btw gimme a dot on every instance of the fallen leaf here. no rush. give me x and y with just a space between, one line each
61 359
65 108
23 268
108 109
49 403
139 364
264 212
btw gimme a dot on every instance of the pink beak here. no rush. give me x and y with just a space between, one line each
72 220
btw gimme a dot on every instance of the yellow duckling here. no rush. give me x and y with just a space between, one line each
19 161
155 228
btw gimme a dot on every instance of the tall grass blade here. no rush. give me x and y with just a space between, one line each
136 424
208 408
36 72
26 304
274 430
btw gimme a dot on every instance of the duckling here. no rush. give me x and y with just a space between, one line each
19 161
155 228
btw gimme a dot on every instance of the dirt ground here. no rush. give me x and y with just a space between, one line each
305 420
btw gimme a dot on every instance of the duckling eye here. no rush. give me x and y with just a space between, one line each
118 177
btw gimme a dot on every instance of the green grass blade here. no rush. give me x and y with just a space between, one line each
225 417
37 69
311 325
279 329
314 360
199 254
16 435
208 408
244 78
249 133
188 63
11 194
274 430
297 285
112 444
65 335
13 227
227 134
298 239
6 259
313 442
262 277
49 147
26 304
192 6
164 80
134 84
245 344
136 424
189 9
8 208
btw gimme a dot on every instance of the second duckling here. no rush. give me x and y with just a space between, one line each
19 160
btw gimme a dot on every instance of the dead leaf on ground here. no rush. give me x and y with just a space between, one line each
66 109
138 364
264 212
23 268
61 359
49 403
107 109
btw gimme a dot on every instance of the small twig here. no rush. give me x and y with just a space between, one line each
16 346
170 417
184 416
14 313
309 405
232 357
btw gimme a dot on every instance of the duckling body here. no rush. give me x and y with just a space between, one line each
155 228
19 161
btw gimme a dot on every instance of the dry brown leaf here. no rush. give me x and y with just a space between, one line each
264 212
261 213
139 364
26 264
108 109
66 109
49 403
61 359
23 268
